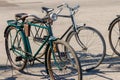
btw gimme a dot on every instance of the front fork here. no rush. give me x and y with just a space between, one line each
46 59
53 49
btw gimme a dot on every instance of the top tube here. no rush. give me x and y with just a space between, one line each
40 26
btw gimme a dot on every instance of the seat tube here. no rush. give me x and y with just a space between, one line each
26 42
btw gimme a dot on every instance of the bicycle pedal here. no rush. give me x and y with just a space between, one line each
45 37
18 58
32 63
39 60
38 39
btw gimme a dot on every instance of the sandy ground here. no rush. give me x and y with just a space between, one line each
95 13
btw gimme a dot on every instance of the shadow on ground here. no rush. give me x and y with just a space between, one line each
109 65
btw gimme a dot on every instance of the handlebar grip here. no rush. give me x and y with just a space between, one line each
76 7
60 6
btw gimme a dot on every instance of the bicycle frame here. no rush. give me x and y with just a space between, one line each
74 26
49 39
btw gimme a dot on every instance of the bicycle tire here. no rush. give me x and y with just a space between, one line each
88 57
62 58
16 61
114 36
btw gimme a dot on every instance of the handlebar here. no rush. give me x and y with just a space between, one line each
71 9
23 16
67 6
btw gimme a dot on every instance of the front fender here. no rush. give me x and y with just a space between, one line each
112 23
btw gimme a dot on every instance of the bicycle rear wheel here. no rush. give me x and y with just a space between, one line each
13 44
93 52
114 36
64 65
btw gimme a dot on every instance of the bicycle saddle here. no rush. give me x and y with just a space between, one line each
21 15
47 9
118 15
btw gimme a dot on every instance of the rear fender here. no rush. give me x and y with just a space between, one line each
6 29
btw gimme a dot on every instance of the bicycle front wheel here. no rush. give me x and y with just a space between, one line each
93 52
14 44
114 36
63 63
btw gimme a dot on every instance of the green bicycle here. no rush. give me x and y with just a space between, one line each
61 62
